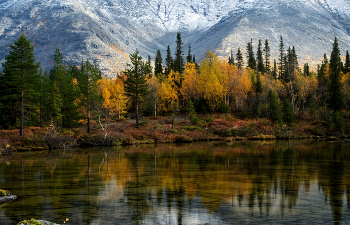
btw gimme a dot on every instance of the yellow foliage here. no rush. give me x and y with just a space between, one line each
209 86
190 82
167 94
114 99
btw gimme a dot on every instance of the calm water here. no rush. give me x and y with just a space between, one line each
202 183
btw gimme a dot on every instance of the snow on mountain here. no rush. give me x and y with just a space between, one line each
106 31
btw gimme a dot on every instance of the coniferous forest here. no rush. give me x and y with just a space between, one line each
173 98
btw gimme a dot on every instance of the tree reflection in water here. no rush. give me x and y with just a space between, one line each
264 182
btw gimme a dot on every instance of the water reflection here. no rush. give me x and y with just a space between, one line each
202 183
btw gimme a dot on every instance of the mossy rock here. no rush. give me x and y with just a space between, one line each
240 138
36 222
230 139
6 196
4 193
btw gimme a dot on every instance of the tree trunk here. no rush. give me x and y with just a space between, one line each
88 119
22 108
155 107
137 111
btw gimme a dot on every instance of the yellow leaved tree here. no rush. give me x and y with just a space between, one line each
167 94
209 85
114 99
189 88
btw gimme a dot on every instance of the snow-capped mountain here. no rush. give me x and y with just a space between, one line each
107 31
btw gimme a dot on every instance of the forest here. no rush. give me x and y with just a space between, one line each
279 92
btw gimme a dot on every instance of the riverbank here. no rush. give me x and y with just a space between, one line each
163 129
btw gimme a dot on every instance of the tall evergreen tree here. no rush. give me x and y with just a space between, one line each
189 56
179 63
273 106
169 62
347 62
260 59
231 59
88 85
287 110
20 80
335 94
267 56
239 59
274 70
250 55
306 70
158 65
281 59
135 83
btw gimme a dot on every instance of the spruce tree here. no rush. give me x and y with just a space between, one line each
88 85
273 106
260 59
239 59
347 63
158 65
250 55
281 59
287 111
274 70
189 56
335 94
231 59
179 64
169 62
191 110
267 56
19 83
306 70
135 84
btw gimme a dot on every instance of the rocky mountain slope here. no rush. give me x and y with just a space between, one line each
107 31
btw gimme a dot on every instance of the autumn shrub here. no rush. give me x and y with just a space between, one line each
191 128
54 139
208 120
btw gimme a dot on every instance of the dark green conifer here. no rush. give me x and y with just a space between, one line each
179 63
19 82
273 106
239 59
158 65
334 90
135 84
169 62
231 59
281 59
189 56
260 59
347 62
250 55
287 111
267 56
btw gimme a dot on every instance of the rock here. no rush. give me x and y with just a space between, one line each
7 199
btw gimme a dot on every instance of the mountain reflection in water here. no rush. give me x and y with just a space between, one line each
200 183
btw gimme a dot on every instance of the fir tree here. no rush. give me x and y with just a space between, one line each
158 65
20 80
335 94
281 59
260 60
179 64
231 59
189 56
169 62
239 59
267 56
135 83
250 56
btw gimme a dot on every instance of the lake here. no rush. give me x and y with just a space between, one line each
296 182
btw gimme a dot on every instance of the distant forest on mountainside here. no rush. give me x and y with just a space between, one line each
278 89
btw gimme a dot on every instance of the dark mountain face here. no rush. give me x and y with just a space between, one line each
107 31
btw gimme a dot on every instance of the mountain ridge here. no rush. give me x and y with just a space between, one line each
107 31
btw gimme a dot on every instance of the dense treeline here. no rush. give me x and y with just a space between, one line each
279 90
